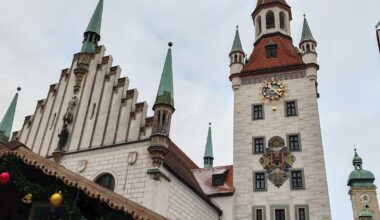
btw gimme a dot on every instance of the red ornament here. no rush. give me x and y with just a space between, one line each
5 178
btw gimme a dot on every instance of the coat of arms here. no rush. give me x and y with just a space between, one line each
277 160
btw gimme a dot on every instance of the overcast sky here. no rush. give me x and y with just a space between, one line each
38 38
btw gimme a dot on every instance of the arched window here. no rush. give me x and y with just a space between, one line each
270 19
312 47
235 58
307 47
106 180
282 21
258 25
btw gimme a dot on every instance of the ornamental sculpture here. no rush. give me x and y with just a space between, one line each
277 161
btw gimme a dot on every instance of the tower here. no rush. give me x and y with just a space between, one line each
163 109
209 155
279 168
363 191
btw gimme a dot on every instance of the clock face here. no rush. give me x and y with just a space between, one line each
365 198
273 90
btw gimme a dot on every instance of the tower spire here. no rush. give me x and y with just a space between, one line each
92 33
236 47
7 122
306 32
165 93
208 156
163 109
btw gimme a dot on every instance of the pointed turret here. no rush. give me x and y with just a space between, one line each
209 155
307 43
165 93
7 122
92 34
163 109
236 59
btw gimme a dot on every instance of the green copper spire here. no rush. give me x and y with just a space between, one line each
236 47
306 32
209 156
165 93
92 34
7 122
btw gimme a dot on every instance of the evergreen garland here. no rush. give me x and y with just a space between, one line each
41 193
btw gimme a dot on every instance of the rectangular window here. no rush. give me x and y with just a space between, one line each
217 180
279 214
301 214
294 142
258 145
260 184
259 214
291 108
297 179
257 112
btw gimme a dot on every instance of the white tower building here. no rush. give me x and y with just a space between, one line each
279 168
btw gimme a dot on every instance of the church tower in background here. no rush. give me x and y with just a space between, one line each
363 192
279 166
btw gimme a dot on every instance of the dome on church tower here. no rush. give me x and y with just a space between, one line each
360 177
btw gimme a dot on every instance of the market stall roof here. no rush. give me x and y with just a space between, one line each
72 179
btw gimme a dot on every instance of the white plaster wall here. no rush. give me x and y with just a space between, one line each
129 179
226 204
311 158
184 204
180 202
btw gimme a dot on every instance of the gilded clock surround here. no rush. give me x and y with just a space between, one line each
273 90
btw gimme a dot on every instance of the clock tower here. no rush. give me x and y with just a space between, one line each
279 167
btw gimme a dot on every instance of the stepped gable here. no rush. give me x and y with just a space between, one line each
204 178
287 55
181 165
106 111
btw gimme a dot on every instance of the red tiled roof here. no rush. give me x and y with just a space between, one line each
287 55
204 178
181 165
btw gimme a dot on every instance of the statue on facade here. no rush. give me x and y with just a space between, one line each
69 116
63 138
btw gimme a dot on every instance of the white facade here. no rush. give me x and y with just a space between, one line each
310 159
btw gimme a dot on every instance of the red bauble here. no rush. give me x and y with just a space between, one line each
5 178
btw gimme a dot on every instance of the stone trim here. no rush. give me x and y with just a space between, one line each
273 209
265 180
254 147
254 208
306 207
299 142
291 179
285 76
